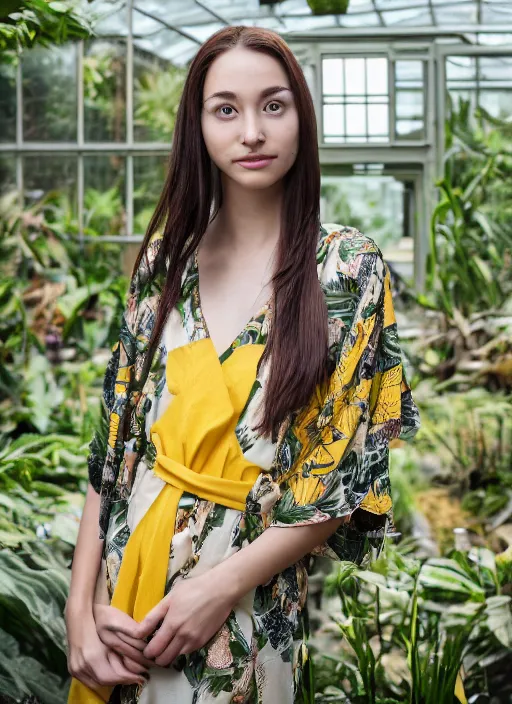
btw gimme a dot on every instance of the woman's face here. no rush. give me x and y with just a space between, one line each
256 115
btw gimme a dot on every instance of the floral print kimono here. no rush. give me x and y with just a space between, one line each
329 460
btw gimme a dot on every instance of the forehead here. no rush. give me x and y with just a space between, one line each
244 72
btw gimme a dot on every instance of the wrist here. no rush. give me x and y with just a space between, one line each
227 582
79 607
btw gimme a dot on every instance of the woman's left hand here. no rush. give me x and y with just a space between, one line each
190 614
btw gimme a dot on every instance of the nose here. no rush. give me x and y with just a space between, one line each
251 130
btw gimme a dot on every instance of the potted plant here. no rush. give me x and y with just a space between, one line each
328 7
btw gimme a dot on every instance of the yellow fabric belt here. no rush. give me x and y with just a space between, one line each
197 452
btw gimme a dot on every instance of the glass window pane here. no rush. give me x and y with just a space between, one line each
377 76
332 76
410 129
334 120
7 103
7 173
498 103
109 16
408 71
104 194
149 174
378 117
355 76
105 91
460 68
49 94
409 104
157 89
496 69
53 173
356 120
373 203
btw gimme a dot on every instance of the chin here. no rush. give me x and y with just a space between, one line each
257 179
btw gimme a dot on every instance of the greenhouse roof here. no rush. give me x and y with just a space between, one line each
173 29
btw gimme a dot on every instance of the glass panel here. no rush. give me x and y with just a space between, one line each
460 67
408 72
496 15
104 196
410 129
498 103
53 174
373 203
356 120
355 76
109 16
409 104
7 173
334 120
496 70
408 16
149 173
489 84
157 90
378 120
49 94
377 76
105 91
453 15
332 77
7 103
364 101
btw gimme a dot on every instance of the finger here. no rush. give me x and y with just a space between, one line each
150 622
122 623
134 666
170 653
116 663
128 651
138 643
114 641
160 641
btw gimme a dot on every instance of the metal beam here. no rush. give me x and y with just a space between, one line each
212 13
432 13
165 24
378 13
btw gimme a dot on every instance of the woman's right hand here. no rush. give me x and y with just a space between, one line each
115 629
90 660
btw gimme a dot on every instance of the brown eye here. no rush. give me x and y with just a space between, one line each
226 107
275 105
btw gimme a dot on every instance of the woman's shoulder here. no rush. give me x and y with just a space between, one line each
340 248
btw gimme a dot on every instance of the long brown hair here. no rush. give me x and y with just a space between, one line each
297 340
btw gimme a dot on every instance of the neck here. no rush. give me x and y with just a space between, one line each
247 216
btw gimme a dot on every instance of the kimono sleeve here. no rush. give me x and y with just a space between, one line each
116 384
340 442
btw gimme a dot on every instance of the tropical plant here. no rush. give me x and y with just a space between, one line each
25 23
416 632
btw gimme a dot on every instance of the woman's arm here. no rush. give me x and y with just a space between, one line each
87 557
272 552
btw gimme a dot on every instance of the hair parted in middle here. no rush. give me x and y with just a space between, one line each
297 343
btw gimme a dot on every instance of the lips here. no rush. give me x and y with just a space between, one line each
255 161
255 157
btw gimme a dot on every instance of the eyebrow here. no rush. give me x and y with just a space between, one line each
229 95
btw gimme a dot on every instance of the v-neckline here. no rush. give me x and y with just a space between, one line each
226 353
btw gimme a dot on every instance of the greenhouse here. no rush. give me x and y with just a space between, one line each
413 107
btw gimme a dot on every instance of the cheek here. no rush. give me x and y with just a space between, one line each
288 137
214 137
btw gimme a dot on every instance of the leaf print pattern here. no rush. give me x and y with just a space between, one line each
331 459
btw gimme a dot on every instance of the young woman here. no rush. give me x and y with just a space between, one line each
255 386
